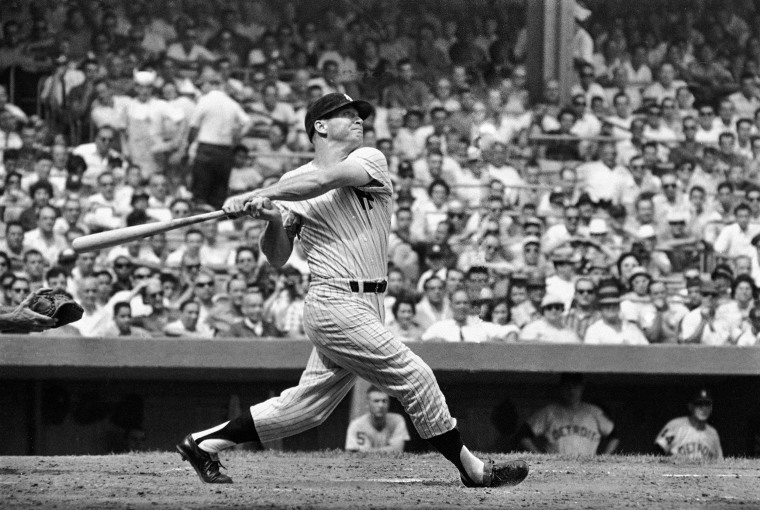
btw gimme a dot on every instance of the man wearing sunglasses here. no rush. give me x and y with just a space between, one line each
610 329
550 328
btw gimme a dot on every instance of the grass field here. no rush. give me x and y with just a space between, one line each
336 480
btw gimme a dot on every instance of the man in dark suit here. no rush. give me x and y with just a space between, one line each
254 325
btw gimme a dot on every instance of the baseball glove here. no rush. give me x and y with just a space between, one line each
57 304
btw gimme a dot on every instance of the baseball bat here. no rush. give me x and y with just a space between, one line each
123 235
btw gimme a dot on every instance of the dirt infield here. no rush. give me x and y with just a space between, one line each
338 480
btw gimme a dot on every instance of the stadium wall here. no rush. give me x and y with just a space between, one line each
79 395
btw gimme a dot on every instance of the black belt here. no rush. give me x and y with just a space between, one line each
365 286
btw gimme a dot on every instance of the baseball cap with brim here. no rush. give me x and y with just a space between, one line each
708 288
722 271
608 296
564 254
551 299
535 281
597 226
639 271
330 103
702 396
645 232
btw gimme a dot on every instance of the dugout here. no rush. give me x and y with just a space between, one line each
81 395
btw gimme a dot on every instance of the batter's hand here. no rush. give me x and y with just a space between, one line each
235 205
262 208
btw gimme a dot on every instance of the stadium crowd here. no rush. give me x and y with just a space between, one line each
628 215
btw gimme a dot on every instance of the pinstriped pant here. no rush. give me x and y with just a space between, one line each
349 341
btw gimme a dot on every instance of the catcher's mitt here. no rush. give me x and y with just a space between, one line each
57 304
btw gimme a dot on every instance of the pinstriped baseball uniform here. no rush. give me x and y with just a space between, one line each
345 236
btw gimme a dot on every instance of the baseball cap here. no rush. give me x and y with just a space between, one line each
645 232
563 254
597 226
639 271
67 256
551 299
722 271
327 104
708 287
535 281
676 216
608 295
702 396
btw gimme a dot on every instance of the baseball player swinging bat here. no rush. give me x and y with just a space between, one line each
119 236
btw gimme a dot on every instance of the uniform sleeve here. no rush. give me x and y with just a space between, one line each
606 426
666 437
539 421
374 163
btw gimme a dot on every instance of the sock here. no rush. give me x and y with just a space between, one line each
221 437
450 445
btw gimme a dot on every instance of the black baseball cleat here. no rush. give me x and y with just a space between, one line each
206 467
499 474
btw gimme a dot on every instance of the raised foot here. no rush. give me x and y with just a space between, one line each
206 467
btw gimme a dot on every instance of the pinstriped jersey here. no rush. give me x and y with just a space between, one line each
344 232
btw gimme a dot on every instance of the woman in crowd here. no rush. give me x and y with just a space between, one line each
403 327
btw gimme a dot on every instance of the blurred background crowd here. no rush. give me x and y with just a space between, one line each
627 213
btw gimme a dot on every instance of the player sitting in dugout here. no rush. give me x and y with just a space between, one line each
378 430
570 426
691 437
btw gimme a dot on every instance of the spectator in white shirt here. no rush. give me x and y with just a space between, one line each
103 210
43 238
708 130
188 324
463 327
610 329
735 239
603 179
666 85
700 325
550 327
746 100
97 154
656 130
434 305
217 124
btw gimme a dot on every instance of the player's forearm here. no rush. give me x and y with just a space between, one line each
316 182
276 244
309 185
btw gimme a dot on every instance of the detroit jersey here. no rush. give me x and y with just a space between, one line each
680 438
571 432
363 436
345 231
